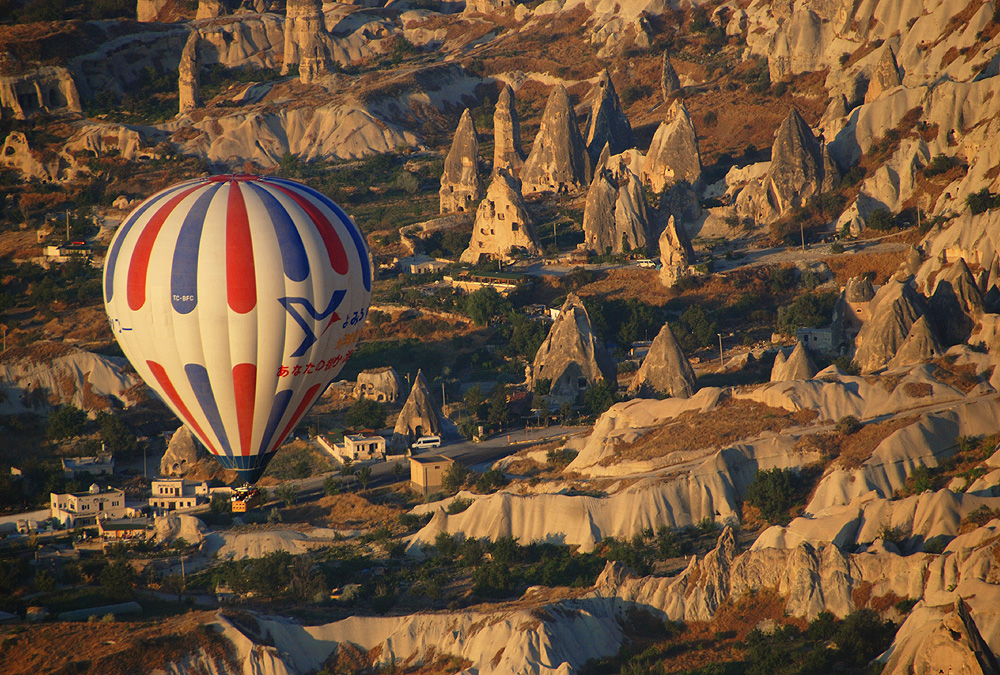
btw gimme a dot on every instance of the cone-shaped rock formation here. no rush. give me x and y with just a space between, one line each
798 366
616 215
884 77
461 186
894 310
676 253
507 152
956 303
954 645
502 222
665 370
181 454
608 124
572 357
800 169
673 154
669 82
558 161
921 344
420 416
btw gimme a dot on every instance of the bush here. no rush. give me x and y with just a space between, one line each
486 305
455 477
66 421
490 481
458 505
863 635
773 492
848 425
881 219
940 164
366 414
600 397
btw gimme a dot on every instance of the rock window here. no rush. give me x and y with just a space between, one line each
515 227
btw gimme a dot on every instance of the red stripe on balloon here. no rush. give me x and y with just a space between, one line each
334 247
168 388
303 407
245 388
241 282
139 266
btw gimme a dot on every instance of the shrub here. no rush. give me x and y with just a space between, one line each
848 425
455 478
982 201
66 421
490 481
458 505
863 635
773 492
600 397
881 219
366 413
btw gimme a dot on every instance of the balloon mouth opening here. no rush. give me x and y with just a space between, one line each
248 469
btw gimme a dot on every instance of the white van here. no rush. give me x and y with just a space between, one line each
426 442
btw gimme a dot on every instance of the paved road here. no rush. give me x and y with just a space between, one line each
467 453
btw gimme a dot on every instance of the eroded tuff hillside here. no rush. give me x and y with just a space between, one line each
844 117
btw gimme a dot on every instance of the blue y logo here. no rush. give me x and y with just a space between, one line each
307 306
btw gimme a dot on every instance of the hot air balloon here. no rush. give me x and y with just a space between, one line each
238 299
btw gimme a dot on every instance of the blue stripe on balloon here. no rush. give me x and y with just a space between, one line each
359 242
293 252
250 468
278 408
184 270
198 378
116 246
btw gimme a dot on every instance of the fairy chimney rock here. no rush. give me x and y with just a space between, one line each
921 344
608 124
894 310
676 253
209 9
665 370
507 152
956 302
502 226
306 41
189 70
461 186
181 454
884 77
379 384
572 358
798 366
673 154
420 416
558 161
669 82
616 214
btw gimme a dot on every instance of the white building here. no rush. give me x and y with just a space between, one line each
102 465
82 509
177 494
357 448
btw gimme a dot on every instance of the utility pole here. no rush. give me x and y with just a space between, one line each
722 363
444 402
67 226
802 232
555 241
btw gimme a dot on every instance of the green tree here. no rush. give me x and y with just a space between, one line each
773 492
600 397
66 421
485 305
331 485
118 438
287 493
364 476
366 414
881 219
398 470
474 400
454 478
499 410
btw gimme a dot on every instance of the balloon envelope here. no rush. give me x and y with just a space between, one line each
238 299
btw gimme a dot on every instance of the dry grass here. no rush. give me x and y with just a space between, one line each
733 420
344 512
881 265
119 648
859 446
918 389
962 377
